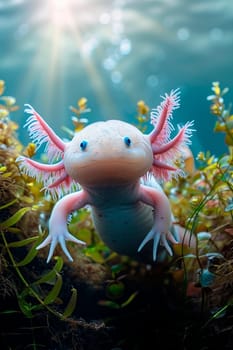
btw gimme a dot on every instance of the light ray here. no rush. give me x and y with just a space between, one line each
64 21
61 36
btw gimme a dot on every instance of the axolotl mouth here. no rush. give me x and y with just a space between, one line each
113 169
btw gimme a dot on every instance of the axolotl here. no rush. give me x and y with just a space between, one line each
116 170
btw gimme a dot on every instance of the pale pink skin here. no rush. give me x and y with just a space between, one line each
117 167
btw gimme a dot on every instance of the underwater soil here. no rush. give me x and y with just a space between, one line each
157 317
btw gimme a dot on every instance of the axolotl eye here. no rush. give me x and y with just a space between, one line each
83 145
127 141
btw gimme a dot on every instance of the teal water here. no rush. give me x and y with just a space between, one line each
52 52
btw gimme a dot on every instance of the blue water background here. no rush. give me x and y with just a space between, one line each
53 52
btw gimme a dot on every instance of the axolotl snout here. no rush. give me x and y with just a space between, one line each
115 169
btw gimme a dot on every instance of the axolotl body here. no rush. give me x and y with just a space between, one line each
117 169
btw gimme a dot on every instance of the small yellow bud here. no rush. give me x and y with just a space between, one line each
229 139
2 86
30 150
201 156
3 113
82 103
216 88
3 168
142 107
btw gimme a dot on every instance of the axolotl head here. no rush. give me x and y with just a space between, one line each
109 152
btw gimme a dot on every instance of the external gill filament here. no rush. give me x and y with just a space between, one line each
43 167
163 114
59 181
163 165
41 130
173 143
159 126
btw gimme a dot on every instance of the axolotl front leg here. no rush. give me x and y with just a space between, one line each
58 232
160 231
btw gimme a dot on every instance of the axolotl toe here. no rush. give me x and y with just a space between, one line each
115 169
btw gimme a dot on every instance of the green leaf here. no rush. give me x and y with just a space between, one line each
115 305
84 234
14 218
115 290
109 303
59 264
71 304
29 257
23 242
14 230
26 306
31 254
129 300
190 256
48 277
9 100
220 312
52 296
8 204
9 312
51 275
117 268
94 254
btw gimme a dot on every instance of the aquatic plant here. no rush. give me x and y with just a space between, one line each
202 204
143 115
224 122
78 119
31 288
22 209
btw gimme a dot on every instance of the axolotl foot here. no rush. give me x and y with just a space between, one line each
158 237
61 238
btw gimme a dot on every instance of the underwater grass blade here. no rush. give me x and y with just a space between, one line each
29 290
129 300
31 254
22 243
50 276
71 304
14 218
27 306
53 294
8 204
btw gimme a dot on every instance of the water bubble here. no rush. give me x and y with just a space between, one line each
89 45
105 18
152 80
109 63
116 77
118 28
125 46
117 14
183 33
